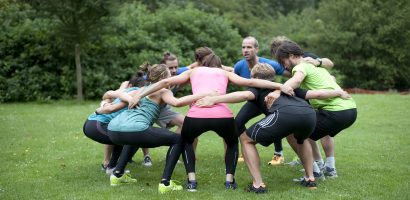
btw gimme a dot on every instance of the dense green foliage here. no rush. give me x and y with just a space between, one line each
367 40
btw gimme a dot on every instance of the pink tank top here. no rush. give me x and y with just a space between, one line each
205 79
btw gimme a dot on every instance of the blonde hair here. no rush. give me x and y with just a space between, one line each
263 71
155 72
276 42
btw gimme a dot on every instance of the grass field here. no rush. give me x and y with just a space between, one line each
45 155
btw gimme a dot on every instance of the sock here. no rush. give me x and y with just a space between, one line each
165 182
280 153
316 168
320 163
330 162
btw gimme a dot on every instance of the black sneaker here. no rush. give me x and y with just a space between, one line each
191 186
231 185
260 190
310 184
103 167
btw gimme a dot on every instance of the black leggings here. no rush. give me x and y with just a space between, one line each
247 112
149 138
97 131
224 127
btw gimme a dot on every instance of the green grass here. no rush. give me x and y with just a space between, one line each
45 155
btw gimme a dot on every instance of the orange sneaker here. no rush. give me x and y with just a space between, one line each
241 159
277 160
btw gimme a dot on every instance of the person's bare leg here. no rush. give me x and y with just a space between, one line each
145 151
328 145
252 159
315 150
107 154
305 152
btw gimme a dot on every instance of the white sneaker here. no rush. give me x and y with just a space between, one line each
147 162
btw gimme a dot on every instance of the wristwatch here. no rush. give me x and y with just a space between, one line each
320 62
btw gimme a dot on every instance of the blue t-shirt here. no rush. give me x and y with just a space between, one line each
180 70
241 67
106 118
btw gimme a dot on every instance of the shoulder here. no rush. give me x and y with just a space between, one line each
240 63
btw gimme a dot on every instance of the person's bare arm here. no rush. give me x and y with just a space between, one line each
325 62
110 108
326 93
233 97
295 81
258 83
165 83
168 97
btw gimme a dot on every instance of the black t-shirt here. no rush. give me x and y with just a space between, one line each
285 103
309 54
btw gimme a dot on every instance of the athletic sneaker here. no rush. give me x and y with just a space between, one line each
231 185
317 175
310 184
330 172
124 179
109 171
277 160
241 159
259 190
294 162
191 186
171 187
147 162
103 167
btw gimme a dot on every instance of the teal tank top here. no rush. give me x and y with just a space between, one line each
137 119
106 118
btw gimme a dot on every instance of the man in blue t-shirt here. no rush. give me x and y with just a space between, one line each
250 48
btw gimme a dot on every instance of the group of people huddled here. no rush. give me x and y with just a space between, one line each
309 106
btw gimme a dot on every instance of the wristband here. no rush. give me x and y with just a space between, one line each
320 62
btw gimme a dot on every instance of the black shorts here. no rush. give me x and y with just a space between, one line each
332 122
224 127
281 124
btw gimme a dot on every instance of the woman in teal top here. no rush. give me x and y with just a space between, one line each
95 127
133 127
334 114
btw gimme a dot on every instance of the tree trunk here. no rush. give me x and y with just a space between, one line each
78 73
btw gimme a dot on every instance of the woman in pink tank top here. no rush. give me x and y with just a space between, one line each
217 118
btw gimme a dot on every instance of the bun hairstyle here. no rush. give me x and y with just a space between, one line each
144 67
137 80
200 54
212 60
168 56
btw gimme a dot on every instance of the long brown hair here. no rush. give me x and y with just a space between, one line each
212 60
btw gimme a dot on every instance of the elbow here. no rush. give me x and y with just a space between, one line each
247 97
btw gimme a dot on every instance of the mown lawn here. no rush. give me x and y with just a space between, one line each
45 155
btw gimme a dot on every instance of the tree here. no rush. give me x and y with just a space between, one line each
78 21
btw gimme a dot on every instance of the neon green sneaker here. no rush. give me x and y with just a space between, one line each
171 187
124 179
